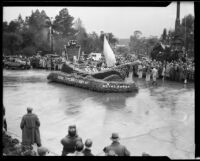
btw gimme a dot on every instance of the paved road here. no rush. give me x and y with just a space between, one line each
156 120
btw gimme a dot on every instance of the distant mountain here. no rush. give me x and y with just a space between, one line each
124 42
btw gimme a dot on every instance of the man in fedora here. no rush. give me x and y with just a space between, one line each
120 150
30 128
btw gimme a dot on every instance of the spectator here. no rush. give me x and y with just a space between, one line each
69 141
120 150
148 73
145 154
87 150
78 149
42 151
4 119
30 128
111 153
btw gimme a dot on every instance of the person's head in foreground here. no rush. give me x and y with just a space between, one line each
72 130
42 151
29 110
88 143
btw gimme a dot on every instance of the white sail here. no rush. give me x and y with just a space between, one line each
108 53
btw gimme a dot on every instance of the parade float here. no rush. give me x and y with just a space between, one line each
109 80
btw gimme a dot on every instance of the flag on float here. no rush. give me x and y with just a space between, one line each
108 53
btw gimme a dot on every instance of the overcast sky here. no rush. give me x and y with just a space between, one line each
121 21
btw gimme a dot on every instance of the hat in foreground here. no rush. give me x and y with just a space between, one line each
114 136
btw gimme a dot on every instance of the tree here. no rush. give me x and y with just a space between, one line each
28 40
123 50
5 26
112 39
135 42
13 26
63 23
141 45
62 30
78 24
12 43
137 34
187 30
186 34
20 23
37 27
95 41
164 36
89 42
151 42
29 51
37 21
81 34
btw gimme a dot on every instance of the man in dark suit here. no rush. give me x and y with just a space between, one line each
120 150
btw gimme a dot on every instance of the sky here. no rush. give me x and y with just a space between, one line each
121 21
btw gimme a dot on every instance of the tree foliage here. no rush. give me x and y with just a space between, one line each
12 42
141 45
63 23
185 37
164 36
123 50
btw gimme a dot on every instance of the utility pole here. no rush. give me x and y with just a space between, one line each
177 23
51 35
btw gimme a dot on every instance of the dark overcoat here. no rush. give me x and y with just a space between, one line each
69 144
87 152
30 129
119 149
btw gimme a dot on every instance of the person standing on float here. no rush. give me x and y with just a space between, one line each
154 75
148 73
163 72
140 68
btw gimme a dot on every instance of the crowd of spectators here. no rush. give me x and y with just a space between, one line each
72 143
174 70
49 62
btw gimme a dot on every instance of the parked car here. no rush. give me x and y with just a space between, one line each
15 63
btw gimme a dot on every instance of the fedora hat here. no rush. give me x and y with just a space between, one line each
114 136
